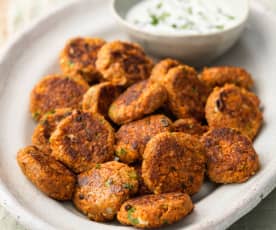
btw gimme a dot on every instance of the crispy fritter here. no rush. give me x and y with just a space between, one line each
46 127
79 58
161 69
153 211
187 95
219 76
56 91
138 100
190 126
123 63
231 157
174 162
132 137
234 107
102 190
47 174
99 98
82 140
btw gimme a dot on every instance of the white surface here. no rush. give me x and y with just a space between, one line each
194 49
35 54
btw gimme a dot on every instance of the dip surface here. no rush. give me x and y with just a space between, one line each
182 16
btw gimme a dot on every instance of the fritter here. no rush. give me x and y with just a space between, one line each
161 69
138 100
56 91
187 95
102 190
46 127
234 107
99 98
153 211
123 63
79 58
219 76
190 126
132 137
173 162
47 174
231 157
82 140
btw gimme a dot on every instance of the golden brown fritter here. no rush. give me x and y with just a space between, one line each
138 100
47 174
174 162
190 126
46 127
161 69
187 95
123 63
231 157
234 107
79 58
143 189
99 98
132 137
153 211
82 140
56 91
102 190
219 76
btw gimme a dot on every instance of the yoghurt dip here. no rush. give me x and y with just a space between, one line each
182 16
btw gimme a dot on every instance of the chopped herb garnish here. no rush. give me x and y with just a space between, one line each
190 10
71 64
220 27
36 115
164 15
174 26
121 152
109 182
230 17
128 186
131 219
165 222
159 5
98 166
154 20
132 175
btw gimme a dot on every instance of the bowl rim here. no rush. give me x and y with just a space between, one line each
120 20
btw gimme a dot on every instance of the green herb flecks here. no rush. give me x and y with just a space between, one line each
159 5
131 219
132 175
219 27
164 16
36 115
109 182
165 222
121 152
98 166
154 20
71 64
128 186
190 10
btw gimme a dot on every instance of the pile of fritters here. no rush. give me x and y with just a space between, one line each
122 137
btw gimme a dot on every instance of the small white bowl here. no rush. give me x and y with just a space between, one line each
198 50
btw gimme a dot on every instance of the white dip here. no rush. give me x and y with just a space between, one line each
182 16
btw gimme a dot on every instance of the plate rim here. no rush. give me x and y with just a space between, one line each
31 221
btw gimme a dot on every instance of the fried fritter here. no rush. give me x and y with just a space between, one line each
231 157
47 174
56 91
190 126
137 101
132 137
173 162
79 58
123 63
161 69
99 98
153 211
102 190
219 76
46 127
82 140
234 107
187 95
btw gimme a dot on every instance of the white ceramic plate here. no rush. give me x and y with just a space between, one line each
35 52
